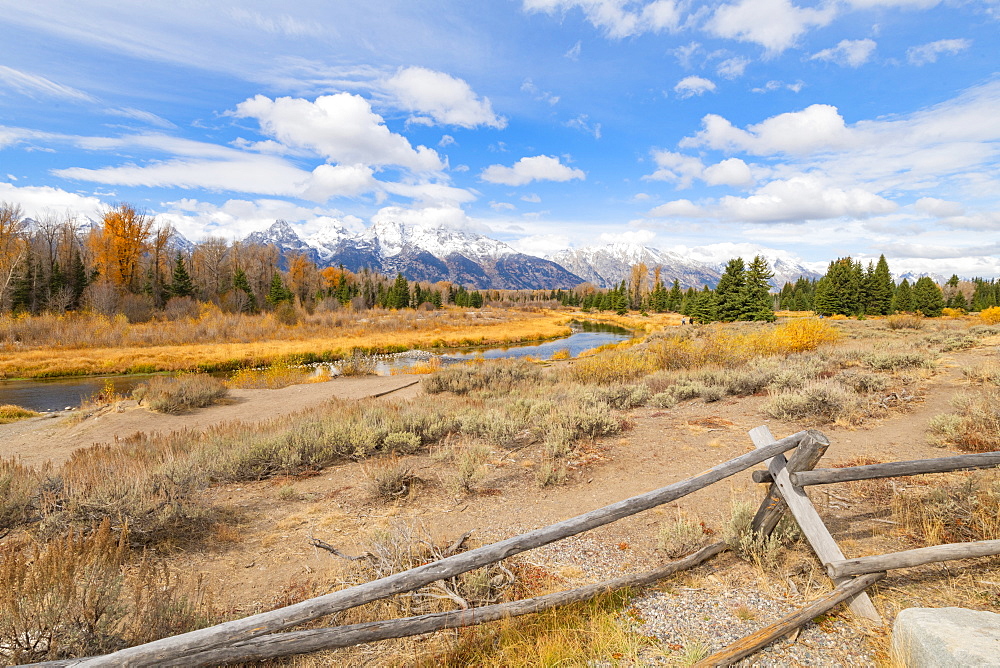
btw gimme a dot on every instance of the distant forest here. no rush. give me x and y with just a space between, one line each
128 264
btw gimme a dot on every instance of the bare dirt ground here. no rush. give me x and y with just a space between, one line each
270 557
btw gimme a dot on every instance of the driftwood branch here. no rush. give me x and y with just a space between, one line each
242 630
300 642
907 558
983 460
809 521
746 646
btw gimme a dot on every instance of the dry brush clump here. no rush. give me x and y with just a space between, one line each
12 413
975 424
79 595
950 508
180 393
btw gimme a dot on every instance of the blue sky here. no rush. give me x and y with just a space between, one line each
822 129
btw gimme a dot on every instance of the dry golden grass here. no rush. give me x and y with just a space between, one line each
11 413
225 341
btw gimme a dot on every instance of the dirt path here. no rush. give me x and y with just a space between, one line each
54 437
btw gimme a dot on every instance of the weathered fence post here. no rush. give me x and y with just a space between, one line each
809 521
805 457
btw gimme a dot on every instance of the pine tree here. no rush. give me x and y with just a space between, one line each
277 292
242 284
756 301
706 307
676 297
729 291
837 291
927 297
902 301
880 289
399 294
180 281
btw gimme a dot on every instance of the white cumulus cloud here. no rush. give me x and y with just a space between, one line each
693 85
776 25
342 128
729 172
848 52
817 127
526 170
444 98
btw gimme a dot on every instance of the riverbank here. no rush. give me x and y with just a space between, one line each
50 346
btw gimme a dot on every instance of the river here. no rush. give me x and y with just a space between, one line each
56 394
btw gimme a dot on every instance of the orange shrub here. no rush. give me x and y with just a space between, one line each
991 315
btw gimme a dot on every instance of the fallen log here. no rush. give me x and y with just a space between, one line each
241 630
313 640
744 647
917 557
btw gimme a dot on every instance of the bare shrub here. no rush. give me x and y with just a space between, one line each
103 297
889 361
681 536
739 534
471 468
357 365
497 376
863 382
179 308
826 400
180 393
904 321
401 547
389 479
975 425
19 489
621 397
76 596
137 308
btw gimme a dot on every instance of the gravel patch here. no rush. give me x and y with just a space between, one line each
686 616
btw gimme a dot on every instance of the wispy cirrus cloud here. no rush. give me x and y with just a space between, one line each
34 85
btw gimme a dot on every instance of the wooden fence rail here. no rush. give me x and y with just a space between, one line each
176 648
805 478
917 557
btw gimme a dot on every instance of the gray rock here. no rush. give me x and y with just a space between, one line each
953 637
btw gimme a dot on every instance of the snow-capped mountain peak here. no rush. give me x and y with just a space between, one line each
441 241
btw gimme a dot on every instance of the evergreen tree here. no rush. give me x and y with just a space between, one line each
242 284
705 308
277 292
676 297
880 289
902 301
756 301
730 290
927 297
76 279
180 282
837 291
958 301
399 294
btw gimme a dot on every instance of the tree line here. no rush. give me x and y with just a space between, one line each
849 288
127 263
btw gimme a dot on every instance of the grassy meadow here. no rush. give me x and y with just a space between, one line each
117 512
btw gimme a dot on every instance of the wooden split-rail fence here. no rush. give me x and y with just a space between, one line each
263 636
